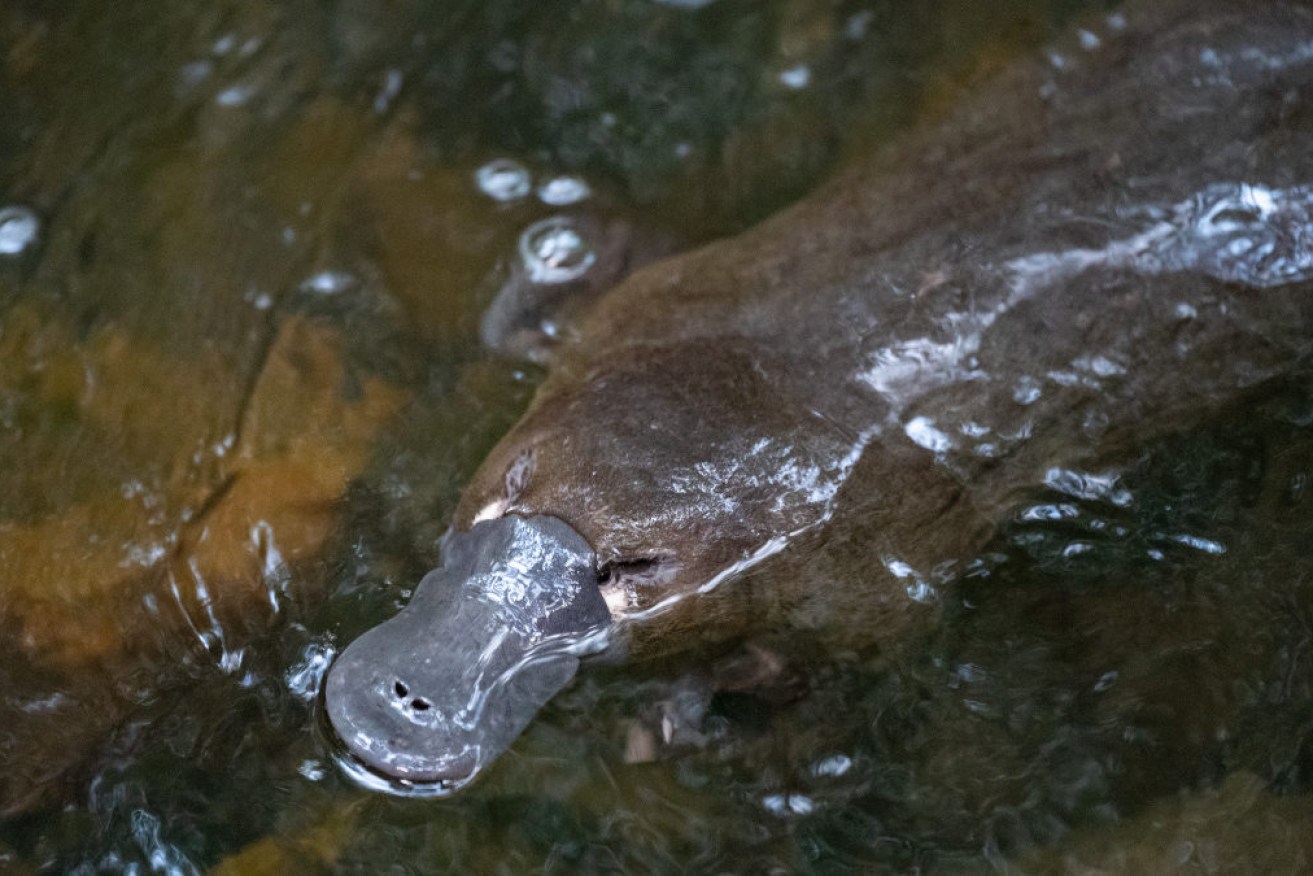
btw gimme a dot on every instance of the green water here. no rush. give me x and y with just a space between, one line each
241 388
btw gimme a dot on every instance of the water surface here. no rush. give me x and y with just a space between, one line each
244 251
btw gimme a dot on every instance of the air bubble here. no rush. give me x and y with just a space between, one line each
388 91
561 191
503 180
834 765
788 804
796 77
312 770
555 251
329 282
19 228
236 95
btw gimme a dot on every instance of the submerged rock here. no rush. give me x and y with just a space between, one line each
99 591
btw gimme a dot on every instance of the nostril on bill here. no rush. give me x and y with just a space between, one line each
402 690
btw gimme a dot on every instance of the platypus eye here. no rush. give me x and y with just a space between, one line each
629 584
614 571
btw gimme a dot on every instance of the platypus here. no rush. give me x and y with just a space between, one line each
818 421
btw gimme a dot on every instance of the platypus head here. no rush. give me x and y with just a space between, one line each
435 693
626 489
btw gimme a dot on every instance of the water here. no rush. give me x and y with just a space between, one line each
243 255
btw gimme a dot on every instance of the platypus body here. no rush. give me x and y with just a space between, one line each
818 421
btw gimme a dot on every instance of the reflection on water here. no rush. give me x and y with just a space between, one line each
244 250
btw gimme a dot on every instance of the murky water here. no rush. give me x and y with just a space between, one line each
245 255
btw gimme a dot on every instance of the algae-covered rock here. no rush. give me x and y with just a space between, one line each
269 498
205 555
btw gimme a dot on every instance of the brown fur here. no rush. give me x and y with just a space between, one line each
739 359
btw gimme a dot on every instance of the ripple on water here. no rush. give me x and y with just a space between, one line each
1088 485
303 679
1250 234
